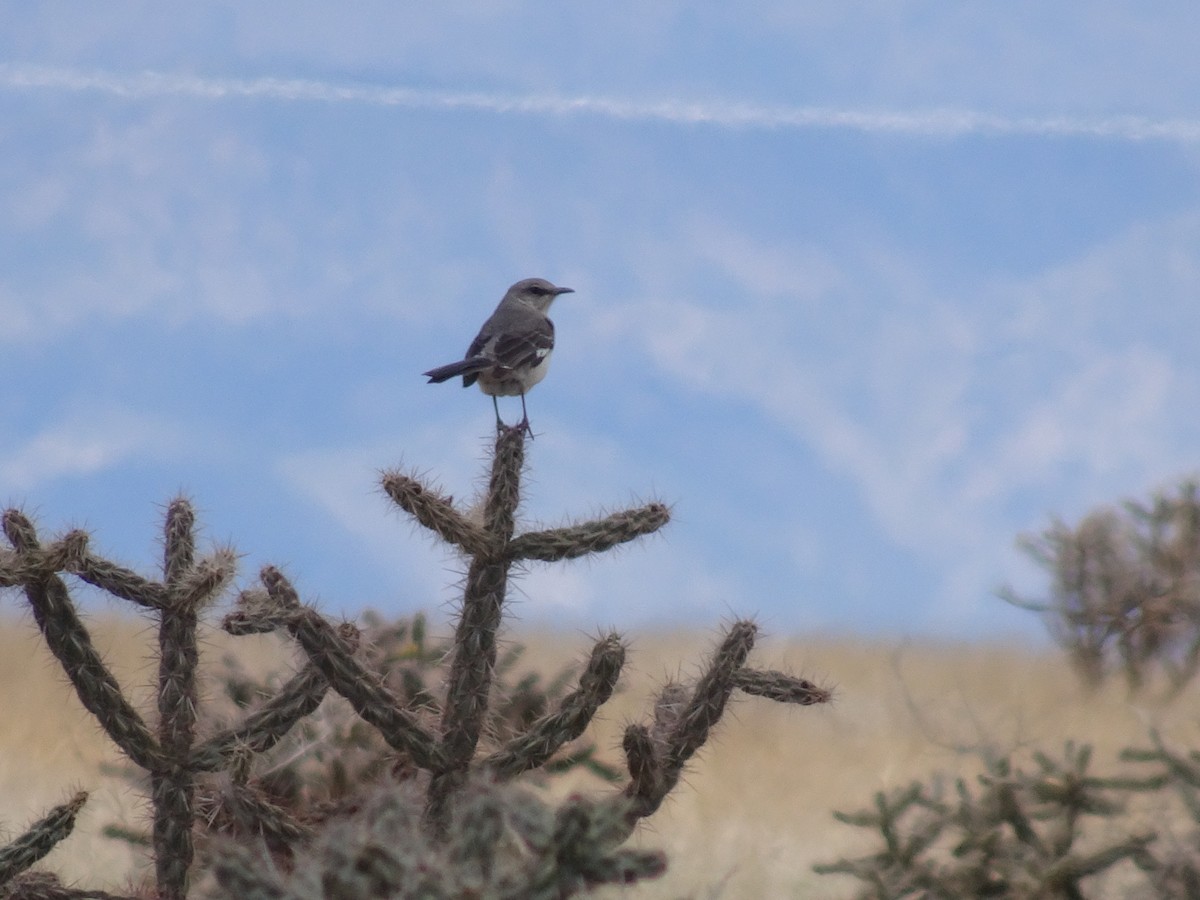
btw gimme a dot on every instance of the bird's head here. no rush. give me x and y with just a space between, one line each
537 293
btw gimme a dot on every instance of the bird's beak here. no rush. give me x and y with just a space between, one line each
558 291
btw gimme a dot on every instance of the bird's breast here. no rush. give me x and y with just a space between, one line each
501 382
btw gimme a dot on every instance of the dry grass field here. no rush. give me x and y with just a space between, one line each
754 812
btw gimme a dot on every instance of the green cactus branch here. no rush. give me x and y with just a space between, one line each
435 512
780 687
468 687
240 806
264 727
331 651
39 839
590 537
71 643
547 736
656 757
173 785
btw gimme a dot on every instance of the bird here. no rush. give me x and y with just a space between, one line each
512 350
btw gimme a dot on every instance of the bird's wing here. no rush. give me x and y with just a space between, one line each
525 347
481 340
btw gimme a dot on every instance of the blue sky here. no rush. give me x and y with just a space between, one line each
863 289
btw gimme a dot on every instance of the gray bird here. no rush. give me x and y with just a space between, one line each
512 350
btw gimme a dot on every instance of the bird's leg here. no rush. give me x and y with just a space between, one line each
525 418
499 421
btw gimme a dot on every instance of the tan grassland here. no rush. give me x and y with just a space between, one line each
754 812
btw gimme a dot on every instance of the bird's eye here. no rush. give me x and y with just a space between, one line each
537 289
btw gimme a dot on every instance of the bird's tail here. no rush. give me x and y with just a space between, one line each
468 368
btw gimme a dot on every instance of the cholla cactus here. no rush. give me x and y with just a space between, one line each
170 754
454 824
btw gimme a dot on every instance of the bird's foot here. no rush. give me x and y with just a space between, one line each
522 426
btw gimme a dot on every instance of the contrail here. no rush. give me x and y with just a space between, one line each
936 123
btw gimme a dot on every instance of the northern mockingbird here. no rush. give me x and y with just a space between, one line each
512 350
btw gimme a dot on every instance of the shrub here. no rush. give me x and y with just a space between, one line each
1125 589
